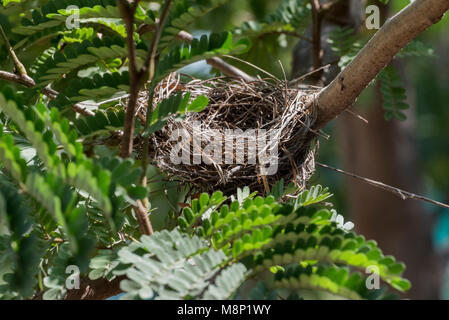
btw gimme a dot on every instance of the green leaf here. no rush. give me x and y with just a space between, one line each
394 95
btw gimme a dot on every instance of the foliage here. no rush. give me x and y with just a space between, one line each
393 94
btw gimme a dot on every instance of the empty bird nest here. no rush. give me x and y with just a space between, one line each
250 134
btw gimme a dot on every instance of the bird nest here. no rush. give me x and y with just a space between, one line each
250 134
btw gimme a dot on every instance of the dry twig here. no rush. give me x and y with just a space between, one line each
404 195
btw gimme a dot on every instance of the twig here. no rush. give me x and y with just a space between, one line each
404 195
252 65
23 78
356 115
395 34
52 94
218 63
137 76
150 67
150 59
317 19
295 81
228 69
215 62
19 66
127 11
16 78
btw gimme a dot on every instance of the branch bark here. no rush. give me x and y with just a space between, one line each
397 32
27 81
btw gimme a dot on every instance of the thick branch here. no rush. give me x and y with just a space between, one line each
397 32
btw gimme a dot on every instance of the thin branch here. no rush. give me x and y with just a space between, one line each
137 76
218 63
228 69
52 94
317 19
127 11
149 68
19 66
143 220
299 79
149 64
23 78
397 32
12 77
254 66
404 195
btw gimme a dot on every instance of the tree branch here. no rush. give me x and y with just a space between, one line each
397 32
137 78
229 69
218 63
316 39
127 11
52 94
23 78
19 66
404 195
